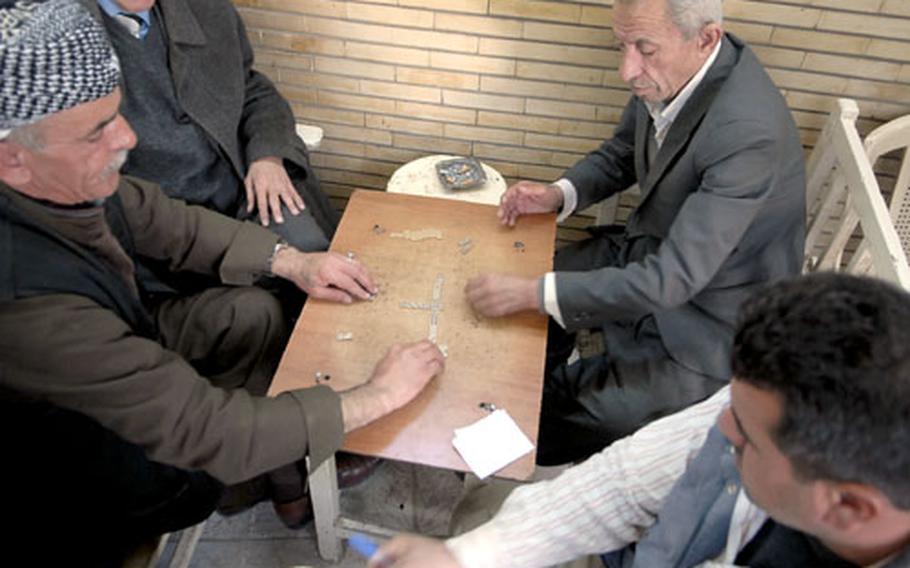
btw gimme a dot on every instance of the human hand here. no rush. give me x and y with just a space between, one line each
267 186
325 275
526 197
496 295
405 371
399 377
412 551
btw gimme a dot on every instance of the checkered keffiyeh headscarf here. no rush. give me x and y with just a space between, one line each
53 56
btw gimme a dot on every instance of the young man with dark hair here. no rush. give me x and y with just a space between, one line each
803 461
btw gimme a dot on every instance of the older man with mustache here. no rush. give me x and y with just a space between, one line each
121 418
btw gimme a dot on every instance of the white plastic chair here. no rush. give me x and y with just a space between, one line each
311 135
842 192
887 138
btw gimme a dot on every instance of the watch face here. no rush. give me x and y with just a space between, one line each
279 246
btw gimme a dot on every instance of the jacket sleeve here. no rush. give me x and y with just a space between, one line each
738 174
267 126
193 238
73 353
610 168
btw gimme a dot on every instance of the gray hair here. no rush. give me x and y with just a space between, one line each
26 136
690 16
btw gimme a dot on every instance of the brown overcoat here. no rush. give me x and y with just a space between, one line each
70 351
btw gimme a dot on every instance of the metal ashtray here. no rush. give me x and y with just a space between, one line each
460 173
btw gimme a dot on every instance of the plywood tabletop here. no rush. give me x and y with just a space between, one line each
412 245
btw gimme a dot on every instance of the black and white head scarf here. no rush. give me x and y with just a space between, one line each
53 56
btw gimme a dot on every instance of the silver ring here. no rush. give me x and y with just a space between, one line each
350 254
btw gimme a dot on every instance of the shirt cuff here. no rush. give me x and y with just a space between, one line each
569 198
550 302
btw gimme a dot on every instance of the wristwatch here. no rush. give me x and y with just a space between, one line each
279 246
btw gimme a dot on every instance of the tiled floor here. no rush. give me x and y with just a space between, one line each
398 496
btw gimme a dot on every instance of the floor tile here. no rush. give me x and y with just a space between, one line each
398 495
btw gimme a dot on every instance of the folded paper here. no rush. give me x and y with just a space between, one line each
491 443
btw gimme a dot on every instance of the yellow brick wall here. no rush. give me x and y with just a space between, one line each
529 86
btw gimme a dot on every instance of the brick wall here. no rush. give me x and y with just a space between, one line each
529 86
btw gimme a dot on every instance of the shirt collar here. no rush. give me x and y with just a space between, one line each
113 10
663 114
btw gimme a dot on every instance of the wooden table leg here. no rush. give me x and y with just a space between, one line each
324 495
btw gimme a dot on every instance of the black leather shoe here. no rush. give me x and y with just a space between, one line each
354 469
241 496
295 514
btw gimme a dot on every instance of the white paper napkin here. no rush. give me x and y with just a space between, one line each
491 443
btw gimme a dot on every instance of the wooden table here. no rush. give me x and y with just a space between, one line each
421 252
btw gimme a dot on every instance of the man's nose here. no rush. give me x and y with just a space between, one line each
123 137
630 67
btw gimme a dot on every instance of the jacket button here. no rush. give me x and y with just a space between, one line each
732 489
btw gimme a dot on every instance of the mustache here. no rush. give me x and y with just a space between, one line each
116 163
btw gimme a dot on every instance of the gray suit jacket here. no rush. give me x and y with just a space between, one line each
722 213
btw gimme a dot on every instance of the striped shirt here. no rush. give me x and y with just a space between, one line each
605 503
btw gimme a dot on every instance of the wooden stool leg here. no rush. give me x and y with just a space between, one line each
186 545
324 495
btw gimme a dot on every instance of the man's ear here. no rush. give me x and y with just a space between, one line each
13 169
848 506
708 36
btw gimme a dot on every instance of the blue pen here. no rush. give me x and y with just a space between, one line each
363 545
